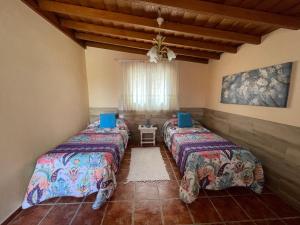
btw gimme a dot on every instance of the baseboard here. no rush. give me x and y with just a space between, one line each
12 216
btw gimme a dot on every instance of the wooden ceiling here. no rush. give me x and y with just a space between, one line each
196 30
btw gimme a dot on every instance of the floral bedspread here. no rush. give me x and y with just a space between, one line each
208 161
83 165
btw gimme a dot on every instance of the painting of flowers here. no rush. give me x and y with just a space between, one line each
267 86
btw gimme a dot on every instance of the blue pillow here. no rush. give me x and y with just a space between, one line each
184 120
107 120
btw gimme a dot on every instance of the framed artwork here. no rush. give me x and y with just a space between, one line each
268 86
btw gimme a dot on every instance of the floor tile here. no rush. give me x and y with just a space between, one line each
266 190
90 198
240 191
146 191
60 214
151 197
202 193
278 206
122 175
177 174
216 193
147 212
254 207
31 215
70 200
174 166
50 201
164 155
169 154
87 216
125 164
228 209
118 213
175 212
123 192
240 223
292 221
127 157
167 164
203 211
173 163
269 222
171 174
168 189
128 151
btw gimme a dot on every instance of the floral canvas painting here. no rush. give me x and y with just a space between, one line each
267 86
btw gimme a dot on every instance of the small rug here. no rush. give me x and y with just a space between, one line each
147 164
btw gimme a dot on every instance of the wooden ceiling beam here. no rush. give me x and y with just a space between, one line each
191 59
141 51
143 45
142 36
143 22
51 18
231 12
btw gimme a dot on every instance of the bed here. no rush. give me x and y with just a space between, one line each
85 164
208 161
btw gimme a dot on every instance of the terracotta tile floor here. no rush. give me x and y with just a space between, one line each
157 203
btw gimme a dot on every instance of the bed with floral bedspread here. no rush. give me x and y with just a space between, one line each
208 161
85 164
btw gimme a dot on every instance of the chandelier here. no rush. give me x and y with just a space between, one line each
159 51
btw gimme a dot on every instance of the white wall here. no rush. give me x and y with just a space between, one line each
105 79
200 85
43 96
278 47
43 89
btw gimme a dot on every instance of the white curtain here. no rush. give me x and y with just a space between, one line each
149 86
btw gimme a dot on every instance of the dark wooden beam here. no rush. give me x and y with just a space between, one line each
141 51
142 36
191 59
143 22
52 19
145 46
230 12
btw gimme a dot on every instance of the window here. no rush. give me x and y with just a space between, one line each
149 87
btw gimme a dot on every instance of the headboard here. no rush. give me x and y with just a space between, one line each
136 118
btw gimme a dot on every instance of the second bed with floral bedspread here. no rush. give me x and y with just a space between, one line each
208 161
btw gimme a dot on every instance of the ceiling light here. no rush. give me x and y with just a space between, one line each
159 51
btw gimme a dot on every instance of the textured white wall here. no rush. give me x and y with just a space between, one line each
278 47
43 96
105 79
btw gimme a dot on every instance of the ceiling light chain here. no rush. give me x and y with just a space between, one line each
159 50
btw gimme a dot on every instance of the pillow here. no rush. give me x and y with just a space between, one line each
184 120
107 120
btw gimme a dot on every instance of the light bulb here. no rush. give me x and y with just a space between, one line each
171 55
160 21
